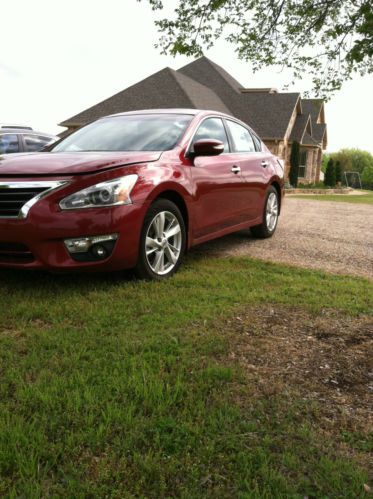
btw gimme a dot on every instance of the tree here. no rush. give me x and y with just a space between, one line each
367 177
329 179
329 40
294 164
353 160
338 172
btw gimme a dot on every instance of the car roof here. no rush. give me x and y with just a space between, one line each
29 131
193 112
14 126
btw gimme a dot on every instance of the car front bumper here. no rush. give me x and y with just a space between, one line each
37 242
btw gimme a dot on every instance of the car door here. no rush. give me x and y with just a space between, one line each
253 164
218 185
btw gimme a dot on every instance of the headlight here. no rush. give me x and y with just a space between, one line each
112 193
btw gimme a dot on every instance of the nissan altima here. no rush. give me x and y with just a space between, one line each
136 190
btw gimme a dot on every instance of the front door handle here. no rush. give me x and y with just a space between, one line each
236 169
264 164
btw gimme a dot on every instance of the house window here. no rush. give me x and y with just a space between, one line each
302 164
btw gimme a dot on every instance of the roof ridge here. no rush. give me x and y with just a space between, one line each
216 67
177 75
291 114
227 77
200 86
308 117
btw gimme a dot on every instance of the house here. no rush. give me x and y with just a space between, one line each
279 118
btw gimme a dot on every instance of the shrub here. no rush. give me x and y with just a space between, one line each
294 164
338 172
367 177
329 179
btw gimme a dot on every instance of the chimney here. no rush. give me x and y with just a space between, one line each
259 90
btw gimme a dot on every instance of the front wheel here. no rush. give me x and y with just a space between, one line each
162 243
270 216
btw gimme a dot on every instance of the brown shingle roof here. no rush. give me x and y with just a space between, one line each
267 113
162 90
299 127
318 131
200 96
307 140
312 107
203 84
208 73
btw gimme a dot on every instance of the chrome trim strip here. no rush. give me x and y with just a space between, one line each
49 185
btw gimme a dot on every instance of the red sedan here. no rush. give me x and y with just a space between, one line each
136 190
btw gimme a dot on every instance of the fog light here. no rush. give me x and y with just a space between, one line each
99 251
84 244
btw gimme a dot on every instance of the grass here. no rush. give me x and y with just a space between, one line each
112 387
366 198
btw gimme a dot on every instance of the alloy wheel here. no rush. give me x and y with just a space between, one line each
163 242
272 211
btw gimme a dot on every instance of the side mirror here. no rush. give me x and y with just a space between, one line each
208 147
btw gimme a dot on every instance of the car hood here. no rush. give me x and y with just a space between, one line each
70 163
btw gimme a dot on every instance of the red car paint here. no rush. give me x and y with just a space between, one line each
215 200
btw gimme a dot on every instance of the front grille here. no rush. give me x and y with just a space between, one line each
15 253
12 199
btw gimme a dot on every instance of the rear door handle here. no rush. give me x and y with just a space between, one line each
236 169
264 164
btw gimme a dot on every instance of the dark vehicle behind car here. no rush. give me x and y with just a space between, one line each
18 138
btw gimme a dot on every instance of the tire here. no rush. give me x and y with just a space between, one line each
160 255
268 226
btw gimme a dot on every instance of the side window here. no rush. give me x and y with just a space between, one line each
257 142
9 143
212 128
243 142
35 142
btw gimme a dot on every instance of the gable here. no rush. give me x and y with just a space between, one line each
268 114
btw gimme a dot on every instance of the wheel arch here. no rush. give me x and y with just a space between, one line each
176 198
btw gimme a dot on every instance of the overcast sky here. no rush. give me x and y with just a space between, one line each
58 58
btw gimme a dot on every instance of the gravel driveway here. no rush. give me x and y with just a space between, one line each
336 237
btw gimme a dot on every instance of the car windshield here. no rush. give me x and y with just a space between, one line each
138 132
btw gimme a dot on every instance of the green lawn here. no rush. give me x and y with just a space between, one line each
111 387
344 198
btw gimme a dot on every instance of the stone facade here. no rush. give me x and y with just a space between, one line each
311 154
